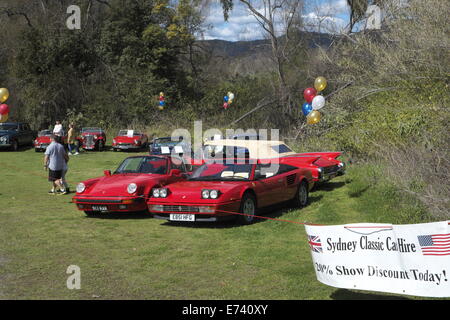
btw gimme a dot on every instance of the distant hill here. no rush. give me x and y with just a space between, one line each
247 57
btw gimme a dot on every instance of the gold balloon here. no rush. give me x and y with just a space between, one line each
320 84
4 95
3 118
160 107
161 94
313 117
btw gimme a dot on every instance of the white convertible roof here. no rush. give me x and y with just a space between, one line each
258 149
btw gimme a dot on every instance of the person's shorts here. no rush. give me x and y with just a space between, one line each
54 175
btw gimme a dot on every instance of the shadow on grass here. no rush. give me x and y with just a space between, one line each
329 186
120 215
358 193
344 294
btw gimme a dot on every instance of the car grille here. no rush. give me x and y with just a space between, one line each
330 169
89 140
124 144
180 208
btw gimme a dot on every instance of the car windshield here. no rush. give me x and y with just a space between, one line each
44 133
166 141
222 172
91 130
125 133
147 164
8 126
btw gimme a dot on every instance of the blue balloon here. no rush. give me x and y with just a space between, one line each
307 108
225 98
162 103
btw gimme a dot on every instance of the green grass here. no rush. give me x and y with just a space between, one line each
136 257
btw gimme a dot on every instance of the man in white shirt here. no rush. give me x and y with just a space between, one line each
55 162
58 129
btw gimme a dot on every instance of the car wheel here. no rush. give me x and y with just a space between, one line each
302 195
14 146
248 208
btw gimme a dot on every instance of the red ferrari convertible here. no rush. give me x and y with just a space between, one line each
217 191
130 186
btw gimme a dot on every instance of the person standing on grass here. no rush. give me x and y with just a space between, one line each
71 140
54 161
65 167
58 129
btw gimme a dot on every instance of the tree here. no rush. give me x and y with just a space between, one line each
281 22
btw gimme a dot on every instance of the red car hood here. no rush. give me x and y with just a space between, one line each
43 139
190 191
126 139
116 185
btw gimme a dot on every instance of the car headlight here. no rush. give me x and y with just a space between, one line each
136 141
163 193
132 187
4 138
160 192
95 137
81 187
205 194
214 194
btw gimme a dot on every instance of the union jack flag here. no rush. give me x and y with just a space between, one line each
435 244
315 244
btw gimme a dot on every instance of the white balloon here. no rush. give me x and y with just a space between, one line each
231 95
318 102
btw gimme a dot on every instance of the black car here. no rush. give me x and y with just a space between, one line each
15 134
165 145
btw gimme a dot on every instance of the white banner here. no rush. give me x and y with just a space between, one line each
406 259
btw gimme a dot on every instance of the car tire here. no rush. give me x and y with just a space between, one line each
15 145
248 208
301 198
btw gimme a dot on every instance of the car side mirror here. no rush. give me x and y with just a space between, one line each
175 172
107 173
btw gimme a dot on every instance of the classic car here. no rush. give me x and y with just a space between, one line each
15 134
165 145
93 139
43 140
323 165
231 189
129 187
129 140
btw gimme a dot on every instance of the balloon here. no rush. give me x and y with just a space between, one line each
4 109
161 98
306 108
225 105
318 102
4 95
231 95
320 84
160 107
162 103
309 94
161 94
230 102
3 117
313 117
225 98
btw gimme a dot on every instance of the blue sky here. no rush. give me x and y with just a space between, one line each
330 15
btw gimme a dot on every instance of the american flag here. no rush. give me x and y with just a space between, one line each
315 244
435 244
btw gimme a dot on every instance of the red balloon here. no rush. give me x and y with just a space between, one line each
225 105
4 109
309 94
161 98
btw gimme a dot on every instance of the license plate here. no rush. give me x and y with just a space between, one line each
181 217
100 208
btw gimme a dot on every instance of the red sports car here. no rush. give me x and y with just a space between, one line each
130 186
43 140
129 140
93 139
237 189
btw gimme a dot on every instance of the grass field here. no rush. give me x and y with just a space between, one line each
138 257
